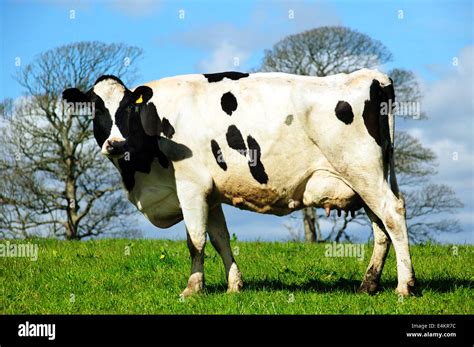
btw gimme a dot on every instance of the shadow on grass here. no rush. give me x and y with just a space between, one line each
312 285
343 285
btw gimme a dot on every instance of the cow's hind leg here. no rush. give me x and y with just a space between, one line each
372 276
219 236
391 211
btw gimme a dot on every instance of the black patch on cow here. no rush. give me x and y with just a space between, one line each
233 75
371 121
102 122
143 92
143 147
344 112
228 103
388 97
390 90
128 108
371 282
256 167
162 159
375 122
289 119
217 152
146 111
74 95
150 119
173 150
109 77
101 119
167 128
235 140
152 123
141 162
124 112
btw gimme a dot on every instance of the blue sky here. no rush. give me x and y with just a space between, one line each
213 33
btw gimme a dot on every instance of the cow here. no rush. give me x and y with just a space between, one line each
265 142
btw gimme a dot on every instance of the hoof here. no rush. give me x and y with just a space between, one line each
406 289
368 287
186 292
235 280
195 285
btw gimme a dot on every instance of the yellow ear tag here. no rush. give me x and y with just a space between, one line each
139 100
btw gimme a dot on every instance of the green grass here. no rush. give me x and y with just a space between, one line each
102 279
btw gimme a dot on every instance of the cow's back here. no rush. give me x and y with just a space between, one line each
259 136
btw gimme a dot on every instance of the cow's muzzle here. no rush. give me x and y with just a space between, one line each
115 148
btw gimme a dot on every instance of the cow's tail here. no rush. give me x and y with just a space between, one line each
391 154
391 148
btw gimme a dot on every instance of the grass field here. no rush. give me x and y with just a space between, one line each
279 278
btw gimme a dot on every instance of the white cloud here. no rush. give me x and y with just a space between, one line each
455 159
70 4
268 23
449 132
134 8
449 102
225 57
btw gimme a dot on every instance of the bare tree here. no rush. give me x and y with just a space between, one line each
6 108
325 51
407 86
331 50
428 203
54 181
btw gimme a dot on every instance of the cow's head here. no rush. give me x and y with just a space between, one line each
124 120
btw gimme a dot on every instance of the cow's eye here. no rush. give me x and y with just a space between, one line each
131 108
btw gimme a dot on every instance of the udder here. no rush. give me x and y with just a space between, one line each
326 190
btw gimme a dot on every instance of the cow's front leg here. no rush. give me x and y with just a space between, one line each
196 279
193 201
219 236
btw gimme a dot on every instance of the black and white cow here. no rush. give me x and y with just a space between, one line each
265 142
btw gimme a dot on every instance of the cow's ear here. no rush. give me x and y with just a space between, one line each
151 122
74 95
141 95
